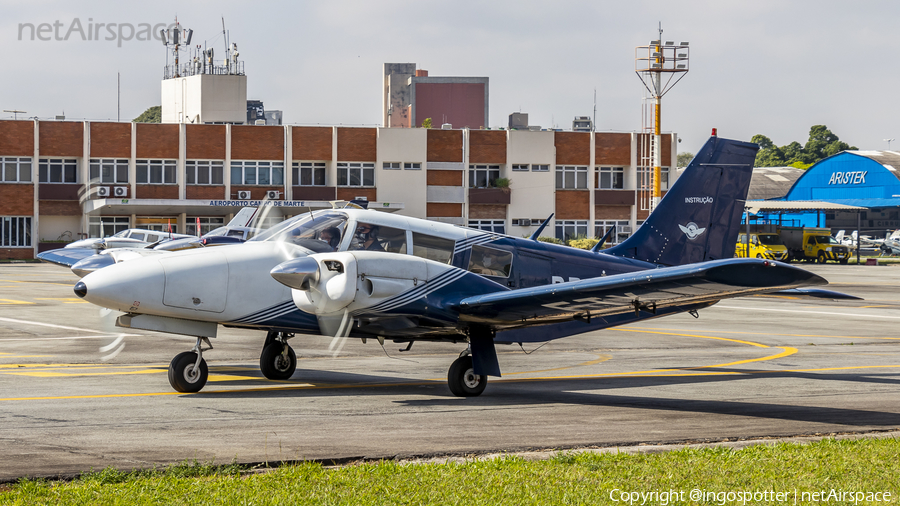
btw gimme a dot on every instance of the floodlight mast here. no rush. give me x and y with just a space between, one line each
650 63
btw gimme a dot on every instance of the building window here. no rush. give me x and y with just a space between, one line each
391 165
253 172
107 170
520 167
308 173
540 167
566 230
155 171
106 226
412 166
611 178
356 173
204 172
58 170
571 177
15 169
645 177
496 226
15 231
207 225
483 176
623 230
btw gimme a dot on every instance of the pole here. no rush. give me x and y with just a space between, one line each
858 224
747 228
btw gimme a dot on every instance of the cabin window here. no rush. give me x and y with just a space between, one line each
490 262
433 248
371 237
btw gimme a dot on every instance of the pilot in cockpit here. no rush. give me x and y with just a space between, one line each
366 238
332 236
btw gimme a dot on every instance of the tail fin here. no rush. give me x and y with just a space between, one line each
700 216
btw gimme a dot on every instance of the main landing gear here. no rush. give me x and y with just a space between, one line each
187 371
277 360
462 380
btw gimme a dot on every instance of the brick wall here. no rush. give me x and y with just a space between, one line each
444 177
612 212
252 142
444 146
612 149
573 204
110 140
17 199
17 253
156 140
487 146
311 143
443 210
356 145
156 191
351 193
59 208
487 212
204 192
644 139
16 138
573 148
205 142
61 138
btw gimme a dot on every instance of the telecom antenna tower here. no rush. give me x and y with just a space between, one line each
660 67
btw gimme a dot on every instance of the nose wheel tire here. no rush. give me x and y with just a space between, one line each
184 375
275 364
462 379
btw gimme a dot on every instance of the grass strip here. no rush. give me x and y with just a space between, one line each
798 471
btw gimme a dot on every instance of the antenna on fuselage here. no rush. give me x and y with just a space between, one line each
537 233
606 236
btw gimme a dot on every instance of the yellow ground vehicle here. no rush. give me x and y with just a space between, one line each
813 244
762 245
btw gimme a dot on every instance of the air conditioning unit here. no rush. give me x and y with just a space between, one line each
272 194
522 222
103 191
120 191
243 195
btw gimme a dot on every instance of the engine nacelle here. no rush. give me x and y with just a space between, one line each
352 280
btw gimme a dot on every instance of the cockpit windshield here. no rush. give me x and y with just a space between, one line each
320 233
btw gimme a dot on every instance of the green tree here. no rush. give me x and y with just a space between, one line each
684 159
151 115
822 143
426 123
769 155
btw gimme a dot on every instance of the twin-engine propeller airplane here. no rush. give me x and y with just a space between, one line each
365 274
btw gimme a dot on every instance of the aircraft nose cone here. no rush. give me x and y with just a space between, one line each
80 289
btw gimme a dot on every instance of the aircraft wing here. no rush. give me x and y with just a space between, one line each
66 256
639 292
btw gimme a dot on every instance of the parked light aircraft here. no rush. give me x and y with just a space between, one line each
370 275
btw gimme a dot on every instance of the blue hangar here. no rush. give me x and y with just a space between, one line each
839 192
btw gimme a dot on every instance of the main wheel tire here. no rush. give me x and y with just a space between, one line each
274 365
821 258
462 379
184 376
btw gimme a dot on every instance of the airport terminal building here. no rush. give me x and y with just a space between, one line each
65 180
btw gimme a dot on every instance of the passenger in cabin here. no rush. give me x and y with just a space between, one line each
367 238
332 236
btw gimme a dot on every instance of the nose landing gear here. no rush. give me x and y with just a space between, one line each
187 371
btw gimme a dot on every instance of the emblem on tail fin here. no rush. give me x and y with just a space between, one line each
692 231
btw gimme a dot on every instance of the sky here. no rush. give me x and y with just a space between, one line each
768 67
